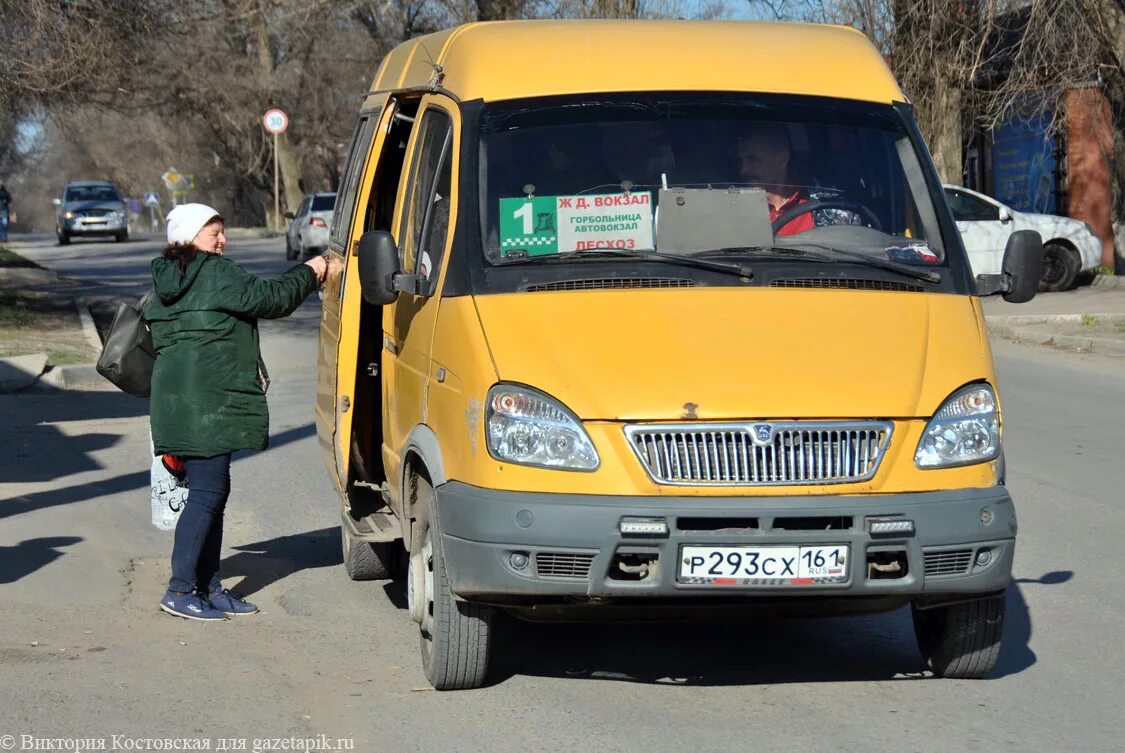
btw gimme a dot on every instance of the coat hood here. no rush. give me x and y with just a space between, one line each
167 282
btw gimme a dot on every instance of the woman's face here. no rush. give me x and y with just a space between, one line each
211 238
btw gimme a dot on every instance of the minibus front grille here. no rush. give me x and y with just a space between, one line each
563 565
760 453
949 562
845 283
611 283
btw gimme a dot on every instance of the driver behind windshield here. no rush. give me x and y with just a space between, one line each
763 156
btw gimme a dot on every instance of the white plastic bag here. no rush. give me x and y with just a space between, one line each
168 495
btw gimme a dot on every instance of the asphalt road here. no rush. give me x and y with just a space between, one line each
85 653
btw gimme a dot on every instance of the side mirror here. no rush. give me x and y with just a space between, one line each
56 202
1023 265
378 265
1005 214
1020 272
288 215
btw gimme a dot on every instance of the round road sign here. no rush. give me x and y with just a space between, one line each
275 120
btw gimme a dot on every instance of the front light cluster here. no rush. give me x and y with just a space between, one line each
965 430
528 427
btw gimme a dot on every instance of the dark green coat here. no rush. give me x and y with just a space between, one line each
207 397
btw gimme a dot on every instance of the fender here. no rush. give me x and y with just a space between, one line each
422 442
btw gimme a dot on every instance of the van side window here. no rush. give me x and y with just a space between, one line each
418 253
349 180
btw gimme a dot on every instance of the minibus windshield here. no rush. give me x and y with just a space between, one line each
560 175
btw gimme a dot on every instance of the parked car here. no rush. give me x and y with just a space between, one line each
1069 246
307 234
91 208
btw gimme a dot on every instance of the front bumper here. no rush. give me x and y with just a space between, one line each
574 546
94 226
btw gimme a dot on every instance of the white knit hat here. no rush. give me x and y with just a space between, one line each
186 220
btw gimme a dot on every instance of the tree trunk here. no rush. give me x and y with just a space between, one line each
499 10
940 121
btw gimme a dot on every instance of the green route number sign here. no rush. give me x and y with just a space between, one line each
529 224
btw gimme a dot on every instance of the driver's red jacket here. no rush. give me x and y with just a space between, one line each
798 224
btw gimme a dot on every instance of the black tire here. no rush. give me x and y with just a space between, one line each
457 646
290 252
364 560
961 640
121 237
1060 268
64 239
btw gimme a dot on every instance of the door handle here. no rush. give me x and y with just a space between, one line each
390 345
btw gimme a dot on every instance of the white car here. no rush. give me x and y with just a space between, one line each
1069 246
307 234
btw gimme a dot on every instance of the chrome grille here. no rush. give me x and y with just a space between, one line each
760 453
94 212
952 562
563 564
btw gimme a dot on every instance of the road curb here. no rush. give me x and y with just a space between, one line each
88 327
1108 281
1103 345
1026 319
79 377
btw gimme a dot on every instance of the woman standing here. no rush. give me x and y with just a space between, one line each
209 388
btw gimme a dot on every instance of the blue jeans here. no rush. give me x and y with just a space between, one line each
3 224
199 531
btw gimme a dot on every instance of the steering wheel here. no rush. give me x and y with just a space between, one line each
817 204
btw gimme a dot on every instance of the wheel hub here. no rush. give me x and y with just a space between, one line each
420 586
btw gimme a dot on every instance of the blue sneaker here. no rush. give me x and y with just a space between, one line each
190 606
228 603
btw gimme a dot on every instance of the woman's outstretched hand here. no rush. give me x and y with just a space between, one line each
325 268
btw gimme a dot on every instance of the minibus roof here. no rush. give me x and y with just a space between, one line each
502 60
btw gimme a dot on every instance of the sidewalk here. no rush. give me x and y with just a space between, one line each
1087 319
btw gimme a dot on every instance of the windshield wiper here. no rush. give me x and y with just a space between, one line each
739 270
826 253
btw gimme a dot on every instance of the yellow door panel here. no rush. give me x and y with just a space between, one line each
339 328
425 194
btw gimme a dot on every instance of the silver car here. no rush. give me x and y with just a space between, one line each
91 208
307 234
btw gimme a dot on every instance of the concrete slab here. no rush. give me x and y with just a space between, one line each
20 372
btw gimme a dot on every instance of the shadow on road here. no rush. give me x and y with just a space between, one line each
1015 652
764 651
38 450
265 562
30 555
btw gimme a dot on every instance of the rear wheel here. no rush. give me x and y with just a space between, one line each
364 560
455 636
961 640
1060 268
290 252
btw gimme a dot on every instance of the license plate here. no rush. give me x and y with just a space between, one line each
764 565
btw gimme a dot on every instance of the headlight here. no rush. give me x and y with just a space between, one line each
528 427
965 430
69 215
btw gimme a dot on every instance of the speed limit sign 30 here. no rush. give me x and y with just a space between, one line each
275 121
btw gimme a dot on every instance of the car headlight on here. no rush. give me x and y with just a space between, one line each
69 215
528 427
965 430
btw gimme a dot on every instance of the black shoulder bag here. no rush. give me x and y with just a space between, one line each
128 354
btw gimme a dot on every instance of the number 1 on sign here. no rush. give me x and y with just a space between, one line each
525 213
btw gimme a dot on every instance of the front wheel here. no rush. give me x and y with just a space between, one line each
121 237
961 640
455 636
64 237
1060 268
